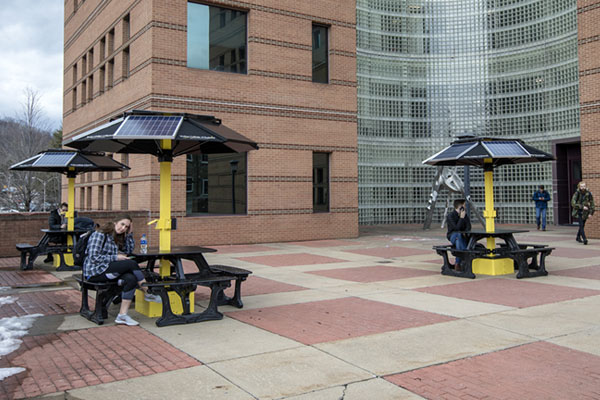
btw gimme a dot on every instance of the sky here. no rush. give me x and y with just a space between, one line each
31 56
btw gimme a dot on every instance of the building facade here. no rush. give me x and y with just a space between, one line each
588 13
281 74
429 71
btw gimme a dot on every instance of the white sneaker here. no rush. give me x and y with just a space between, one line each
153 298
126 319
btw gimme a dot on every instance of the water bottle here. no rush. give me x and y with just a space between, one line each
143 244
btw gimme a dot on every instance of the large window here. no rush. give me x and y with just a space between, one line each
320 65
320 182
216 38
216 184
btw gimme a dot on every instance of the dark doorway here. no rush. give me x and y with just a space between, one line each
567 173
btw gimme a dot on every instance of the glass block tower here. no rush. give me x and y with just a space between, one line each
431 70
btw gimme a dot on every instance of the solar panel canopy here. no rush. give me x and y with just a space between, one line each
153 126
68 162
478 151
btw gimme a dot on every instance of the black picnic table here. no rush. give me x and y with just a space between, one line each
525 256
183 284
53 241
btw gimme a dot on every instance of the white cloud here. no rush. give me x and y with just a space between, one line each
31 45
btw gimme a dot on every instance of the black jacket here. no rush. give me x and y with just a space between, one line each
54 221
457 224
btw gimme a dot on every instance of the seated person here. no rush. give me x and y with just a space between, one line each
458 221
57 220
107 260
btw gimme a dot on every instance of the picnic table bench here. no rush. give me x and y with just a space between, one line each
54 241
106 293
529 259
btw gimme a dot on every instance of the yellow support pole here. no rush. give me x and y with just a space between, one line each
164 220
491 266
70 220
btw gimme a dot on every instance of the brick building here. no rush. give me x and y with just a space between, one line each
281 73
589 91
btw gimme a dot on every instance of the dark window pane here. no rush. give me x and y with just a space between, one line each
216 38
216 184
320 182
320 67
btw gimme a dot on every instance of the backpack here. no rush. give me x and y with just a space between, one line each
79 253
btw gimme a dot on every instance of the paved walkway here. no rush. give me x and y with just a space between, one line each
352 319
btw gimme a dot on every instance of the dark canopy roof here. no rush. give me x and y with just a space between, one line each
141 132
70 162
471 150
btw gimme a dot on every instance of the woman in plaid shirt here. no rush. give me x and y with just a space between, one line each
106 260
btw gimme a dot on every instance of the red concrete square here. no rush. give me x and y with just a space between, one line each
10 262
592 272
252 286
390 252
509 292
20 278
75 359
325 243
533 371
47 302
286 260
372 274
579 252
243 248
328 320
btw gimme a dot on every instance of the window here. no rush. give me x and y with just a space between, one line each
74 73
125 63
320 182
109 197
100 198
124 196
216 38
110 39
89 196
110 74
82 198
102 49
126 29
216 184
74 98
320 64
101 79
90 87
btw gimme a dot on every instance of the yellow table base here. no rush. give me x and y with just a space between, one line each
68 259
496 266
152 309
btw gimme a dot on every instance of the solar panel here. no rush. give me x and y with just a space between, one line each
149 127
54 160
452 152
505 149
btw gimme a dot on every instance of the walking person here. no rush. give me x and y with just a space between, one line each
541 198
583 206
458 222
106 260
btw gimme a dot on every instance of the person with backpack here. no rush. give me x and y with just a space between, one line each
583 206
106 260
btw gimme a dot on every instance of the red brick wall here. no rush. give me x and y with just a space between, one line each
589 90
275 104
25 227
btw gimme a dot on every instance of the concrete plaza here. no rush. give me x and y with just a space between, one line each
352 319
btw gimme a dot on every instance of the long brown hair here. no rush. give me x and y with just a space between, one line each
109 229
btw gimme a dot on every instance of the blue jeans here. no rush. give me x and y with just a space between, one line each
540 212
458 241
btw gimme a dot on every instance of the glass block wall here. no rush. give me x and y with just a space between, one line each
431 70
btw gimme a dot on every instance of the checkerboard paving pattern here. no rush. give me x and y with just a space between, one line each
510 292
75 359
574 252
328 320
287 260
47 302
10 262
17 278
252 286
373 274
592 272
534 371
390 252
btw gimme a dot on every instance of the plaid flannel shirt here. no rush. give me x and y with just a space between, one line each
100 252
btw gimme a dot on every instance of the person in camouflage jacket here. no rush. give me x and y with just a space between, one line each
583 206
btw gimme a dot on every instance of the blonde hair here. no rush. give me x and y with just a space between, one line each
579 184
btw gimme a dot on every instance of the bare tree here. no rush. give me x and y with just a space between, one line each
20 139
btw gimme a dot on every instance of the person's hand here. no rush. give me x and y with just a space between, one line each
463 212
63 226
585 208
122 257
